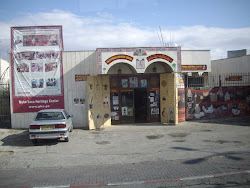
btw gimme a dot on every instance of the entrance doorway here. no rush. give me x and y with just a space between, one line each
140 101
135 98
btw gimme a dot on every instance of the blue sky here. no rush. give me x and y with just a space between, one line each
217 25
145 13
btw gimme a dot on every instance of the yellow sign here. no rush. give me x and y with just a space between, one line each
160 56
194 67
121 56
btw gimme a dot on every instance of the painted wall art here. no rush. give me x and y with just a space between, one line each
217 102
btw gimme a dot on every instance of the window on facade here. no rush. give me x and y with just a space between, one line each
195 81
127 99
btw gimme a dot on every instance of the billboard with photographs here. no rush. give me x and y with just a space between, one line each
37 69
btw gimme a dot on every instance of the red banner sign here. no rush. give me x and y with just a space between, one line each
121 56
34 104
194 67
159 56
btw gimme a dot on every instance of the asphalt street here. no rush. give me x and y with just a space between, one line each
200 153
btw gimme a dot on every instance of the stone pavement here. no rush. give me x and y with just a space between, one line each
146 173
152 154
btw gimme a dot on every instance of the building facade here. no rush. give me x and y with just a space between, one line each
238 64
125 85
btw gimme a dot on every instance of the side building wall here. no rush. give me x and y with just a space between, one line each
74 63
231 65
196 57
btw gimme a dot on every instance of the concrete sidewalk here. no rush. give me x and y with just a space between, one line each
127 144
127 153
147 174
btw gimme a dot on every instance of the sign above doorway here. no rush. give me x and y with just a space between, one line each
138 58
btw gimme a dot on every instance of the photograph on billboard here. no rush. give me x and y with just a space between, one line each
36 68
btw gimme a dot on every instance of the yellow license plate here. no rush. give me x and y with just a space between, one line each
47 127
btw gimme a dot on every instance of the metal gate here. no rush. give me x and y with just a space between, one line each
4 106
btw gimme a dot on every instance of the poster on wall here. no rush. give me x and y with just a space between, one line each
130 111
82 101
36 68
124 83
133 81
124 111
154 111
115 100
76 101
115 116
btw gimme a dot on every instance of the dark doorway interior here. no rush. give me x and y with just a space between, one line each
140 105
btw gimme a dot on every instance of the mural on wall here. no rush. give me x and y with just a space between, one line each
218 102
181 105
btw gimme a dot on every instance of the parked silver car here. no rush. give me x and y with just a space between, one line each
51 124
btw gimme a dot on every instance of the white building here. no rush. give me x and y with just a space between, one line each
149 71
233 71
231 65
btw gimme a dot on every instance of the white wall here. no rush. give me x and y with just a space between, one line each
232 65
76 62
196 57
82 62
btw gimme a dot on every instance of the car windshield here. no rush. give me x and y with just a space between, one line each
49 116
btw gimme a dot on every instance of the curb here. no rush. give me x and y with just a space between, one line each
162 180
148 182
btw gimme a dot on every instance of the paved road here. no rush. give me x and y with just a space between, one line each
137 156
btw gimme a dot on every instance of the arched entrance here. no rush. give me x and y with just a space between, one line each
134 97
142 83
158 67
121 68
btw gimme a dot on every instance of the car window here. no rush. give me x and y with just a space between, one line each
49 116
66 113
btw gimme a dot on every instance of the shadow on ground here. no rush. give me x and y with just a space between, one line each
228 155
22 140
237 121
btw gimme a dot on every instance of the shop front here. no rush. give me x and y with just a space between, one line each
135 98
140 86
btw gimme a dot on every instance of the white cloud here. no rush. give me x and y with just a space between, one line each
83 33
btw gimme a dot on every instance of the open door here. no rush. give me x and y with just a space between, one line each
169 95
141 105
98 102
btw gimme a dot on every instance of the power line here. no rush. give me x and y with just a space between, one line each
161 37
